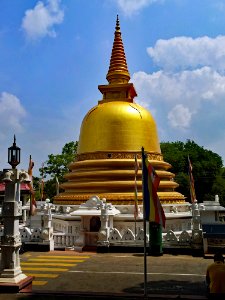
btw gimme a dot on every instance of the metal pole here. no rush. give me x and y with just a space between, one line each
145 261
144 225
135 228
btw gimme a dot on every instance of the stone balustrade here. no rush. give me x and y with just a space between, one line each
182 239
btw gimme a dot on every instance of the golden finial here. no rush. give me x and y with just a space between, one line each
117 24
118 71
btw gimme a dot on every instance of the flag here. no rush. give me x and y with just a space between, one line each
191 181
153 211
30 168
136 167
33 204
57 185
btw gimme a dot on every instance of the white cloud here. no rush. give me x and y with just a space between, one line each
39 21
12 113
188 89
200 84
179 116
185 53
190 80
130 7
220 6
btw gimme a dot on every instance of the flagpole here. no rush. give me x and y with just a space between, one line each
135 195
57 185
144 226
145 261
42 182
135 227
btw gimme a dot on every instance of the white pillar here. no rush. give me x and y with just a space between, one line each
197 241
195 216
103 235
10 270
47 229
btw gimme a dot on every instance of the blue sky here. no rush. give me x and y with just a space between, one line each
54 54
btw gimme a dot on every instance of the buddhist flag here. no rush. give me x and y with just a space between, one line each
153 211
33 204
191 181
30 168
136 167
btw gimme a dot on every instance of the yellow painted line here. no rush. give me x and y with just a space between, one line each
50 260
41 275
39 282
44 269
61 256
46 264
27 254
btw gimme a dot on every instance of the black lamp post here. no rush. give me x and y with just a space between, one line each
14 154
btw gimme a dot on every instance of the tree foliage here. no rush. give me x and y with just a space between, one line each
57 165
207 168
218 187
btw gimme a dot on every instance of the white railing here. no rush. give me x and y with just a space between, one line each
182 239
63 240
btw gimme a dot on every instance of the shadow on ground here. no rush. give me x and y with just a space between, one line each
170 287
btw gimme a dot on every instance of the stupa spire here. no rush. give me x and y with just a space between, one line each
118 71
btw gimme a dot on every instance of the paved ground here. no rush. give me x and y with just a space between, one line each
89 275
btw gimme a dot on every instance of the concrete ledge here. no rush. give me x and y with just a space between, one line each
140 249
87 295
24 285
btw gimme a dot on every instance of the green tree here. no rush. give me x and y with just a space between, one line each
36 186
57 166
218 187
206 167
49 189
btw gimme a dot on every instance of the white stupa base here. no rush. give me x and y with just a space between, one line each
11 276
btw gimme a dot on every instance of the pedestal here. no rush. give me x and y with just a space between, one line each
24 285
80 242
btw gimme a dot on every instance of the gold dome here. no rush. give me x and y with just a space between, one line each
118 126
116 115
111 134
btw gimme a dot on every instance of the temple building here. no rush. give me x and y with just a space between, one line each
111 135
96 208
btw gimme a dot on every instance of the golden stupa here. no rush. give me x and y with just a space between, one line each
111 134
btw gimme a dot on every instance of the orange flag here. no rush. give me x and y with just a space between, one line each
33 204
153 209
191 181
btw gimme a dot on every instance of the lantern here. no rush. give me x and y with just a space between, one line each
14 154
